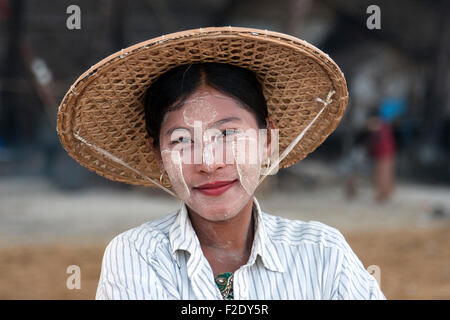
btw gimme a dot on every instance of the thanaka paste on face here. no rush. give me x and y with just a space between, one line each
173 166
248 172
199 113
198 109
211 144
213 147
208 156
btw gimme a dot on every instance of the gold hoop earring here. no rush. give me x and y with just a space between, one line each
268 163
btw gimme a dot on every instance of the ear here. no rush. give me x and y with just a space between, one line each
160 162
270 125
157 154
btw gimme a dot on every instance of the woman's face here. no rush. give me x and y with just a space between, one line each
210 150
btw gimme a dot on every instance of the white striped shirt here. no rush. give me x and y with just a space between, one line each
289 259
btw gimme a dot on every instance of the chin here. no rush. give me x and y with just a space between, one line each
219 208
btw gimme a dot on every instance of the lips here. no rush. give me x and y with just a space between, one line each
215 188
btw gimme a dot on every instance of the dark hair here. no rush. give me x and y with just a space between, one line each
180 82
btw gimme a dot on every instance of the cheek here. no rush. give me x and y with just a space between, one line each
248 164
248 176
174 167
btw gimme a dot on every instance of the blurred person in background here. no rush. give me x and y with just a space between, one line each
382 147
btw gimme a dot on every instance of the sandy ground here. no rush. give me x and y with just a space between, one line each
44 230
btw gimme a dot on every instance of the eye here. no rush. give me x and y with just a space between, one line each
180 139
229 132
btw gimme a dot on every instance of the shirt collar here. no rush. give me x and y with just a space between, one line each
182 237
263 245
182 234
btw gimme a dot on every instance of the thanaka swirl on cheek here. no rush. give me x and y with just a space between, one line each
173 166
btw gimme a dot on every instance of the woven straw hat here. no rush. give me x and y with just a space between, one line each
101 121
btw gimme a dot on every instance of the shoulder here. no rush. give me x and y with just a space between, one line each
326 249
149 237
297 232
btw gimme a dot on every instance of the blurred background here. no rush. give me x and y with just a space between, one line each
384 172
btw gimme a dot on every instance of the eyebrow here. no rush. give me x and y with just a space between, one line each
215 124
225 120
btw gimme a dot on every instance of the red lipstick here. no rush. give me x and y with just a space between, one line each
215 188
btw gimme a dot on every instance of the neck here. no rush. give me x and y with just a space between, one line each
235 234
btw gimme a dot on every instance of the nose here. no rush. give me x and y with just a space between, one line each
209 168
209 162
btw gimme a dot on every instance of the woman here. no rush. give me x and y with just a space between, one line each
202 114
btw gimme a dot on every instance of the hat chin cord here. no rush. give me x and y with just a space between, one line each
123 163
292 145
